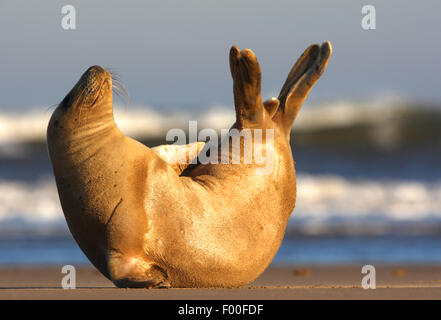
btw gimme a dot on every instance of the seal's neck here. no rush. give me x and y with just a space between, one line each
77 135
92 126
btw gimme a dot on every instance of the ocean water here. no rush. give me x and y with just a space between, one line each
369 186
298 250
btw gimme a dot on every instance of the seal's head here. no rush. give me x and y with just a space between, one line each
84 116
88 106
94 89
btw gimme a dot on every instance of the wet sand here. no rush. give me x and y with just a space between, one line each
314 282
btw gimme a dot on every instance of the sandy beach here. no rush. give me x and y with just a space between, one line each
307 282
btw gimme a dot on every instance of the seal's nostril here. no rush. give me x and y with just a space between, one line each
95 69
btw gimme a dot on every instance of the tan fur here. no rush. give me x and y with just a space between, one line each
143 222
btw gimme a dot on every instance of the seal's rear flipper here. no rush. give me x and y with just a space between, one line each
247 78
302 77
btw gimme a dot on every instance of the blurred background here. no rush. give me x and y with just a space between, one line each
367 141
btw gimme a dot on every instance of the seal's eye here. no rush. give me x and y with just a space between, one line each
65 102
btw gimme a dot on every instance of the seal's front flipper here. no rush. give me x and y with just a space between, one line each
179 156
302 77
133 272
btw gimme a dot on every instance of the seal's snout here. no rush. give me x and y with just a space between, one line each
96 74
92 85
96 69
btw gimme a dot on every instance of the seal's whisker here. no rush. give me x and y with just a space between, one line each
118 86
52 106
112 72
115 76
120 90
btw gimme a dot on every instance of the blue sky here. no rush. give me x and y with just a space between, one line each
176 52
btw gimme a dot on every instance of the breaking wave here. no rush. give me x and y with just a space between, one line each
382 123
334 188
322 201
